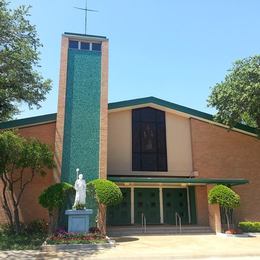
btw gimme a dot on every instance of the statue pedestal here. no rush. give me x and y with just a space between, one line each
78 220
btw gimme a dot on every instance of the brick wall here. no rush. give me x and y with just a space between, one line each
29 206
59 135
202 205
218 153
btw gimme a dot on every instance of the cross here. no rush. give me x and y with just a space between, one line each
86 14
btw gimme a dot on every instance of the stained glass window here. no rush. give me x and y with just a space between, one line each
148 140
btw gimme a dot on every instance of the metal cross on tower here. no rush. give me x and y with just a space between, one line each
86 14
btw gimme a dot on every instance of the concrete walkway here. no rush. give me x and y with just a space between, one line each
159 247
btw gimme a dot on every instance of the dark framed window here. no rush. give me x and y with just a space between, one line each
73 44
84 45
149 152
96 46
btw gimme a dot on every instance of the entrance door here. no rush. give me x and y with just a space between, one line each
120 214
146 200
175 200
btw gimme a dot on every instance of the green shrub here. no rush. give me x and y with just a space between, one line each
106 192
249 226
53 198
38 226
55 195
226 198
223 196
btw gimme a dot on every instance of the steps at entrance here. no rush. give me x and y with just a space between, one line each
157 230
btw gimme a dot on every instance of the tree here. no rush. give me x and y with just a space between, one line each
106 194
225 197
53 198
20 160
19 59
237 98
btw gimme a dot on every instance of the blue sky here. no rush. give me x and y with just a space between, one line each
172 49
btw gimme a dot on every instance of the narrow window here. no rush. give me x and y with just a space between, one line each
148 140
84 45
73 44
96 46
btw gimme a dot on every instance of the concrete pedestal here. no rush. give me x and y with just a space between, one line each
78 220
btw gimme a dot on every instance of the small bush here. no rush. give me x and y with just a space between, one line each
107 192
7 228
249 226
37 226
54 196
31 236
224 196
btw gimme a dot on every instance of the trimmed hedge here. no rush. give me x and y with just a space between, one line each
107 192
224 196
248 226
54 196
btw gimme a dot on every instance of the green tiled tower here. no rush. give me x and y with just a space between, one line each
81 130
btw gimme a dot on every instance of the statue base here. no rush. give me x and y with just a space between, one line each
78 220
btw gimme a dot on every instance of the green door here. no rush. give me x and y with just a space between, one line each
175 200
146 201
120 214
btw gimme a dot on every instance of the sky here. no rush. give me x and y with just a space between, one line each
175 50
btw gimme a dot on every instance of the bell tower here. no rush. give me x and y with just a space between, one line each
81 127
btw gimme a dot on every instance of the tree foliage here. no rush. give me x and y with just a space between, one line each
106 192
55 195
225 197
21 160
20 80
237 98
53 198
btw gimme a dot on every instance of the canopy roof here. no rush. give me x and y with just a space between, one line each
172 180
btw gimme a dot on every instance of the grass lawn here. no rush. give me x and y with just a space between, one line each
20 242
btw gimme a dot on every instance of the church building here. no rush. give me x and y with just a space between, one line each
165 157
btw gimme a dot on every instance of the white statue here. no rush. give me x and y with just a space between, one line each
80 187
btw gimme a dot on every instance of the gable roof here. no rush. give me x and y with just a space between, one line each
182 109
128 104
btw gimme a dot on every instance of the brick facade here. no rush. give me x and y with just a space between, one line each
202 205
219 153
103 112
61 107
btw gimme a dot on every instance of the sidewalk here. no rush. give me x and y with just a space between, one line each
159 247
